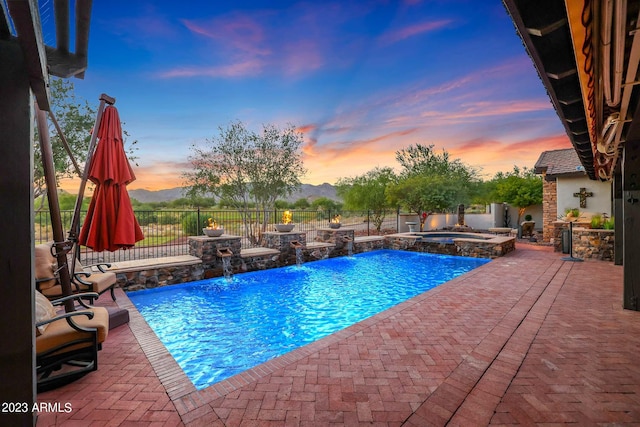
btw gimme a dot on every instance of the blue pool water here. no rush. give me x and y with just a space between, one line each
217 328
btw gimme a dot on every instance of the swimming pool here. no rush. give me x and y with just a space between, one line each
217 328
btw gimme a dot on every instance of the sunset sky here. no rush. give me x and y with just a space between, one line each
360 79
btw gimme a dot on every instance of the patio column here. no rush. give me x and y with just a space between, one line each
618 218
17 341
631 223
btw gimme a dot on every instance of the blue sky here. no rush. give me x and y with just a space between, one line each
359 79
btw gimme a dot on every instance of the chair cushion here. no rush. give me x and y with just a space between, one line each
44 311
100 281
45 265
59 332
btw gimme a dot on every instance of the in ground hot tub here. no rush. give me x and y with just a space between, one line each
477 245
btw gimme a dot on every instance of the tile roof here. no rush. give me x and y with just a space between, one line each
559 162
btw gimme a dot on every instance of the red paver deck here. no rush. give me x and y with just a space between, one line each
526 339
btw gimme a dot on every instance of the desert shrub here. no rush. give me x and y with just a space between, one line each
167 218
146 217
190 226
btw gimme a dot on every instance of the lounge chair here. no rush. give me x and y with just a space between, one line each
67 344
82 280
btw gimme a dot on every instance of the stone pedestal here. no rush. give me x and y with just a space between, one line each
286 243
341 238
208 249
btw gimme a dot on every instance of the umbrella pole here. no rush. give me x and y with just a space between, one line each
61 247
75 222
64 142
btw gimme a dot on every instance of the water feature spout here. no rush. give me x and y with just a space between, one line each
298 247
349 241
225 254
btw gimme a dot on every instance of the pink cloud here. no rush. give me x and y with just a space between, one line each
240 69
301 56
239 32
395 36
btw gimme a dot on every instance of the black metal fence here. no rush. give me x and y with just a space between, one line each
166 232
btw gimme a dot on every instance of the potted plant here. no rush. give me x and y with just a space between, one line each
335 222
286 225
596 221
608 224
572 214
213 229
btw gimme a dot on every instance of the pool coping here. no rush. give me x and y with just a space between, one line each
487 238
179 387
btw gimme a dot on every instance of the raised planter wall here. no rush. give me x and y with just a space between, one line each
593 244
588 243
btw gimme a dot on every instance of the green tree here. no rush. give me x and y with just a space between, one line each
76 118
248 170
368 192
431 182
281 204
325 207
192 202
301 203
520 188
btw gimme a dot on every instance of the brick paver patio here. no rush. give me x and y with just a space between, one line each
526 339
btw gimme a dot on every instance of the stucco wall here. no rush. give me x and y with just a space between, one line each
599 203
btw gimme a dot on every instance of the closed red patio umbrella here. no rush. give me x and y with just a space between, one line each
110 223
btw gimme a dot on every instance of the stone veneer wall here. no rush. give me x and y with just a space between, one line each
367 244
588 243
206 248
486 249
159 276
282 242
474 248
593 244
549 208
339 237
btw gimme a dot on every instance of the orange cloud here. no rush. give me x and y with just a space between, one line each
495 155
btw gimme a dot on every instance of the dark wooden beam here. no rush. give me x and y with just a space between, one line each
61 11
5 29
83 23
26 19
65 64
17 334
631 224
550 28
618 248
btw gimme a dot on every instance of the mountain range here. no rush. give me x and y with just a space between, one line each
306 191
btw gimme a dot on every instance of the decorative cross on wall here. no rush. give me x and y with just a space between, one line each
583 194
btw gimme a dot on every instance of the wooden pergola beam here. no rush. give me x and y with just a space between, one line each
83 23
61 11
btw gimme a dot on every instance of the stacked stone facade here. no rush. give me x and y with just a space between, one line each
549 208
